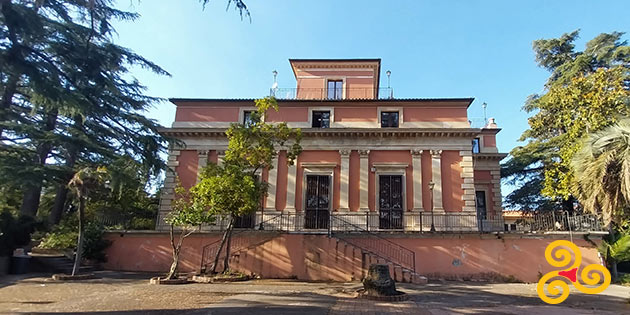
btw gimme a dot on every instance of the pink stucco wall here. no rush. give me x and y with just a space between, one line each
288 114
318 257
489 141
452 181
434 114
187 168
206 113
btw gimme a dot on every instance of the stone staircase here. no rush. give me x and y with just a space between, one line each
398 272
55 262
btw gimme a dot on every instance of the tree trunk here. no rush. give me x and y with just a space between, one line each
176 249
615 272
218 255
77 258
62 190
226 261
33 192
59 206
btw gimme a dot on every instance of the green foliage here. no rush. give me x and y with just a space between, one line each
233 188
187 210
586 92
15 232
602 171
64 237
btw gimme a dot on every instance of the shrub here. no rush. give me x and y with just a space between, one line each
64 236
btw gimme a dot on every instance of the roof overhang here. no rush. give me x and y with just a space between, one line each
335 132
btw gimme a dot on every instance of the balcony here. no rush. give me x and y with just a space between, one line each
334 94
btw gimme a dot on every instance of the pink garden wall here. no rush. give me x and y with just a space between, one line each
318 257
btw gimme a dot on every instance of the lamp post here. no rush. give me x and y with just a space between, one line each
431 185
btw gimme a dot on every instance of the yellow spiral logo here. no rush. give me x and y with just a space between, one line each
561 254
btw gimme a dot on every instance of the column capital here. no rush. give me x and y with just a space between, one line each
220 152
416 152
202 153
344 152
364 153
436 153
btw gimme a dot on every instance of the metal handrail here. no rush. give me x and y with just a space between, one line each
407 256
208 247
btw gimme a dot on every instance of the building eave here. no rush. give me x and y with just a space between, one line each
334 132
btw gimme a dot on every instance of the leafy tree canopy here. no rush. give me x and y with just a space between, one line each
586 91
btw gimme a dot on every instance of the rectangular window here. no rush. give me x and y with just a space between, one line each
321 119
512 227
247 118
335 89
389 119
475 145
481 205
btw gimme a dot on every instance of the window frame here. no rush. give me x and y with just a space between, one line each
389 120
313 121
341 89
400 111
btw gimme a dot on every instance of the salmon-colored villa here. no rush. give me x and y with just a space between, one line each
406 182
364 151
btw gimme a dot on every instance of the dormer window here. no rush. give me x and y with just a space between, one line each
321 119
335 89
389 119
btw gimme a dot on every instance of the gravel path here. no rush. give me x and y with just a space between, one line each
130 293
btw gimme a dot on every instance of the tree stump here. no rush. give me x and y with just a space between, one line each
378 282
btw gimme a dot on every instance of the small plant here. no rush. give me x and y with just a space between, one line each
188 214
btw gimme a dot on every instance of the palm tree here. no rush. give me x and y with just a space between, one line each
81 183
615 248
602 172
602 184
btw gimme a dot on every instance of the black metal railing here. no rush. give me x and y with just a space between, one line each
415 222
563 221
326 94
373 243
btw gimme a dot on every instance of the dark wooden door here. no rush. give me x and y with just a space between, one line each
390 202
317 202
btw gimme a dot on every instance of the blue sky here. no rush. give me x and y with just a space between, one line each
479 49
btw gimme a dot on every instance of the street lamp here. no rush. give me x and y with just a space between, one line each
431 185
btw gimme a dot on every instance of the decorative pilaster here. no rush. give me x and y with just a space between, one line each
436 168
364 173
291 180
468 174
272 181
416 158
202 161
167 195
344 178
496 190
220 156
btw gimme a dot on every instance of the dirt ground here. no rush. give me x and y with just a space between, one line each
130 293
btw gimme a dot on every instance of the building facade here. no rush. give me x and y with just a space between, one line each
369 160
